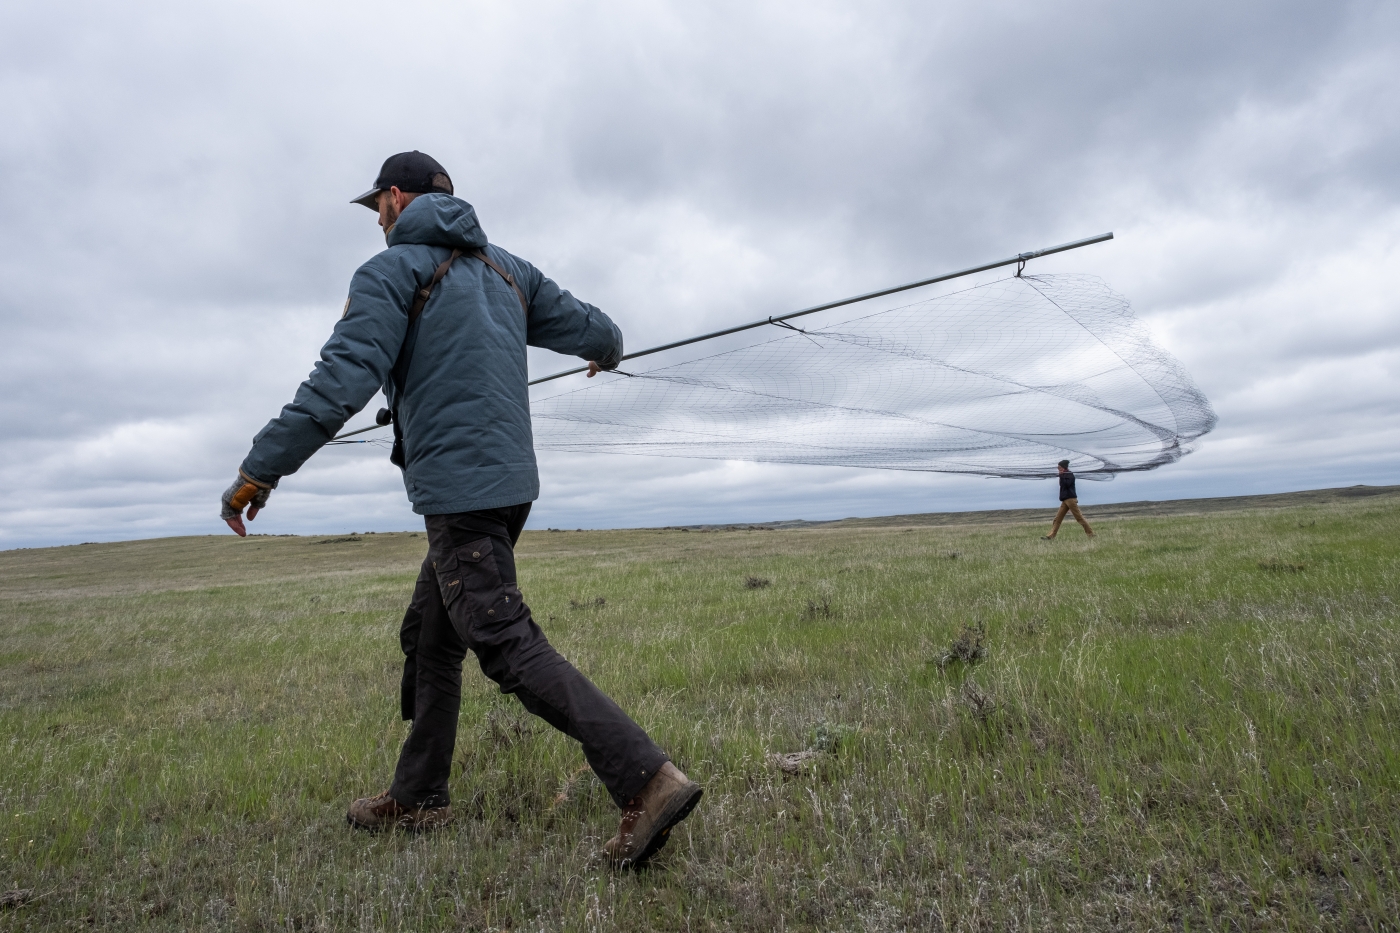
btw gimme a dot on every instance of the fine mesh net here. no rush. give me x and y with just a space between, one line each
1003 379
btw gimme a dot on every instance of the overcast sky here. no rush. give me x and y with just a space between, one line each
177 243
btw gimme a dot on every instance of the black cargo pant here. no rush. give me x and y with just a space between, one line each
466 598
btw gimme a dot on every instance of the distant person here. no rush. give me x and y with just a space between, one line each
1069 502
440 321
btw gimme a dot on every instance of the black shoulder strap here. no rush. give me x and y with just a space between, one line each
510 279
420 298
426 292
420 301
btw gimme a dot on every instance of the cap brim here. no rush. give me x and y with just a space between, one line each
369 199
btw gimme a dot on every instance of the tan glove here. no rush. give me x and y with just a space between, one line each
245 492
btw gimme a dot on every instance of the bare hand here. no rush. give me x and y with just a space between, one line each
593 370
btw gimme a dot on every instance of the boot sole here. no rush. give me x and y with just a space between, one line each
367 827
676 810
416 829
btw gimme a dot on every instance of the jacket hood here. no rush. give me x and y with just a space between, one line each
438 220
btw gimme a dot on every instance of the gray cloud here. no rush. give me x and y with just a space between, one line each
177 243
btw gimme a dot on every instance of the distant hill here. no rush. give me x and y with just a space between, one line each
1282 500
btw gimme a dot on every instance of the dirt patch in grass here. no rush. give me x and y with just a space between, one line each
1282 566
597 602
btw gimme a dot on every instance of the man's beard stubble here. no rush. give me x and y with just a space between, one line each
392 216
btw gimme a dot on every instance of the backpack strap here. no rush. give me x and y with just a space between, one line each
510 279
400 369
420 301
421 298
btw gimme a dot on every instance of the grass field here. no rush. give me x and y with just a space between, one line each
1188 723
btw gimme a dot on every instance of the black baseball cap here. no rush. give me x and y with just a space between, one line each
412 172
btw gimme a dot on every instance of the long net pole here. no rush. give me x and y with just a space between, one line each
1018 258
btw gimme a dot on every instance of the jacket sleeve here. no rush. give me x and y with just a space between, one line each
354 364
560 322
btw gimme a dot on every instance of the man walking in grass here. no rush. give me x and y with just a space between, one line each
1069 502
440 321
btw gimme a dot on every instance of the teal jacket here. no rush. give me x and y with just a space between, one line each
465 407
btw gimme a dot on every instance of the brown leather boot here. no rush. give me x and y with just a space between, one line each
648 817
377 814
